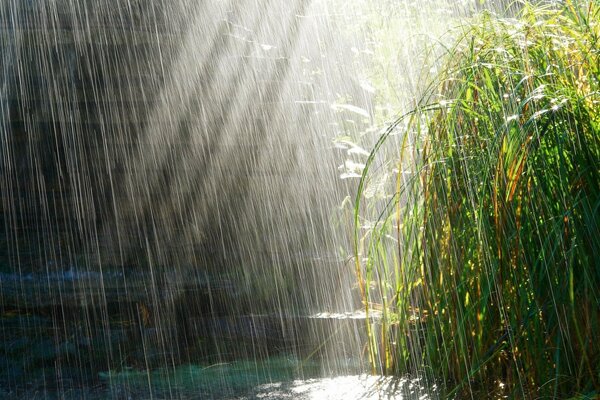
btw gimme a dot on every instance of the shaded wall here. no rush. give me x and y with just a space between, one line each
189 135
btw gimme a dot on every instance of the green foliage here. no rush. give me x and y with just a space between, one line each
484 259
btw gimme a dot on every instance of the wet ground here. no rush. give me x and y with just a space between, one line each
43 356
77 350
271 379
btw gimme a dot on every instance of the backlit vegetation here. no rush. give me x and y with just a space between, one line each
485 259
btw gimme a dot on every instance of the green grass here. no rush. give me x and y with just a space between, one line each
484 258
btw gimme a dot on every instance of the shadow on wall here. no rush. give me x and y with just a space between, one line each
172 134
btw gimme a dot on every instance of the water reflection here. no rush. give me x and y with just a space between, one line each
361 387
351 387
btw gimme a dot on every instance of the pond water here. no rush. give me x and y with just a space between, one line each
276 378
49 355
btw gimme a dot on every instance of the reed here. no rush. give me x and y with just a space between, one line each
484 259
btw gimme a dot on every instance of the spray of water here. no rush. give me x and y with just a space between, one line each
169 176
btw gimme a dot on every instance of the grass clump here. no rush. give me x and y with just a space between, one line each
485 259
